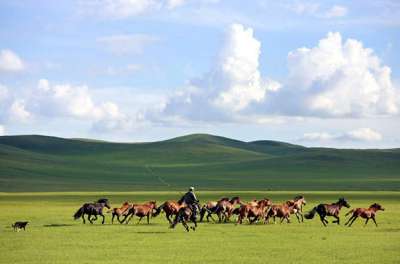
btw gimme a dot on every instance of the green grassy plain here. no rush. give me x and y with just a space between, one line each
41 163
54 237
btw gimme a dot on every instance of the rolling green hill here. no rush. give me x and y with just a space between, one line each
42 163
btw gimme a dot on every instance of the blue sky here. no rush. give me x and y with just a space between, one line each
317 73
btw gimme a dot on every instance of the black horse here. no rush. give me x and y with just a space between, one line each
94 209
328 210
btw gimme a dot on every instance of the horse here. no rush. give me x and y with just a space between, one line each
141 210
210 208
328 210
257 211
120 211
225 208
296 207
366 213
170 208
282 211
184 215
92 209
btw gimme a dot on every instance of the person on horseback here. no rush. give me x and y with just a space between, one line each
191 201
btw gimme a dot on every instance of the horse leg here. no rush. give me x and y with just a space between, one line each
104 218
83 218
112 219
373 219
168 218
298 218
337 220
352 221
148 218
322 217
185 225
366 222
140 219
90 220
129 219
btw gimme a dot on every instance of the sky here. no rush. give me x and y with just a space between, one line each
315 73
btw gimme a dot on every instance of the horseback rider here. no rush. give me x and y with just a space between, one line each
191 201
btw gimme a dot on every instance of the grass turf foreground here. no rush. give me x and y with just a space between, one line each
54 237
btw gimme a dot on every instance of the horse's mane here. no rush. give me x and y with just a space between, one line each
298 197
235 198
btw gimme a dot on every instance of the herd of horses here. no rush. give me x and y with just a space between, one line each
225 209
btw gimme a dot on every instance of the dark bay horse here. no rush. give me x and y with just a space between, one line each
328 210
366 213
184 215
94 209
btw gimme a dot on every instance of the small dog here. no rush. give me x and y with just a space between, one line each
19 225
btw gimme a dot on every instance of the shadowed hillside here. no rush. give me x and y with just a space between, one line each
41 163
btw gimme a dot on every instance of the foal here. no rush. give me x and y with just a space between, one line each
123 210
366 213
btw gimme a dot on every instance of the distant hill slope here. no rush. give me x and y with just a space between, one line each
42 163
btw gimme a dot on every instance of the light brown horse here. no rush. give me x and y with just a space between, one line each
141 210
123 210
328 210
256 211
279 210
170 208
210 208
296 207
366 213
225 208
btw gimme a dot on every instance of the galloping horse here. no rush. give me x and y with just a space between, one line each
296 207
123 210
225 208
141 210
92 209
366 213
328 210
170 208
184 215
257 211
282 211
210 208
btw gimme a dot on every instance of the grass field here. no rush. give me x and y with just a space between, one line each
53 236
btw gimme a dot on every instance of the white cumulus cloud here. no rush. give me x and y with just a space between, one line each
336 11
339 79
231 86
18 111
10 62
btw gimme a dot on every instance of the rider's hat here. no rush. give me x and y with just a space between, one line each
191 188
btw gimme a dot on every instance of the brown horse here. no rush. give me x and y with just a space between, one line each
255 211
225 208
170 208
296 207
184 215
141 210
328 210
123 210
210 208
366 213
282 211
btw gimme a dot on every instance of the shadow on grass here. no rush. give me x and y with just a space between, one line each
57 225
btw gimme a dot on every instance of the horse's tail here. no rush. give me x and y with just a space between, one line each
350 212
310 215
79 213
